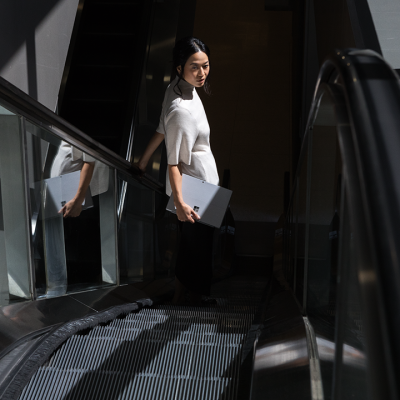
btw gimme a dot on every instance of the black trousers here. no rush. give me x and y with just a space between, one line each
194 261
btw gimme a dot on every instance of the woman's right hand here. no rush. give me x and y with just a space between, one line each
141 165
186 213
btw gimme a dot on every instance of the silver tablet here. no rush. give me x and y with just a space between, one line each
207 200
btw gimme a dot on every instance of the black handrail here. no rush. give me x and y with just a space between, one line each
18 102
370 91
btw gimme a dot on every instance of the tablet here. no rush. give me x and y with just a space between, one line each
208 200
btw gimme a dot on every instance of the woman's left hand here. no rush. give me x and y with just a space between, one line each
72 209
186 213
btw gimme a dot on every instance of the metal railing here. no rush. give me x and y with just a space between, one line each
35 237
20 103
341 249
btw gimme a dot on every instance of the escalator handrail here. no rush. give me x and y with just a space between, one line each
18 102
371 90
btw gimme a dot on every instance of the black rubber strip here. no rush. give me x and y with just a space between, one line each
54 339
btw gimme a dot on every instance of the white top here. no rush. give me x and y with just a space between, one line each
184 123
70 159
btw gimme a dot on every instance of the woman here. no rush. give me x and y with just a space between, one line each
184 126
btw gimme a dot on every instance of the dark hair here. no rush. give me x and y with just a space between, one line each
183 49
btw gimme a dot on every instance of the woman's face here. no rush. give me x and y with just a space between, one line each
196 69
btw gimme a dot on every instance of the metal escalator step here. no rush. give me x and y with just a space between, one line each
142 386
162 352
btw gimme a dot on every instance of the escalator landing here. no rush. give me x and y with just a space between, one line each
161 352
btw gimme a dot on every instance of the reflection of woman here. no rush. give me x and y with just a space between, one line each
184 126
72 238
93 173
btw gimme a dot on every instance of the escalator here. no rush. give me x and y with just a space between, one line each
161 352
324 325
104 70
340 248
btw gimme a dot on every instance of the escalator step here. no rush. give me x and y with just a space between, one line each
162 352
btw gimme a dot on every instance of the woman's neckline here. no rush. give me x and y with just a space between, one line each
184 85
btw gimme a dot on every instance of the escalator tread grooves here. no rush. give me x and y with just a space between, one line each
54 340
160 352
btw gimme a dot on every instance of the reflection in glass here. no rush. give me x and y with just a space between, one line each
135 231
72 202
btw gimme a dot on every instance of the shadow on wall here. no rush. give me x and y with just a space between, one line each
35 35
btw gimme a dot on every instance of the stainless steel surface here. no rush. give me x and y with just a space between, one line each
317 392
28 209
164 352
116 203
22 319
121 201
281 356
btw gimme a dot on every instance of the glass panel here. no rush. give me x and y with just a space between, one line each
167 239
73 231
351 339
291 240
135 230
325 194
14 236
300 221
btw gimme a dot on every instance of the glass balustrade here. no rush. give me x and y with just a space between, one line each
15 249
107 239
135 210
319 246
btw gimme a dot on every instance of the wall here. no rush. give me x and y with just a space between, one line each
386 17
34 40
250 110
333 27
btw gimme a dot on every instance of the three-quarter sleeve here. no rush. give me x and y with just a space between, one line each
180 136
160 128
80 155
